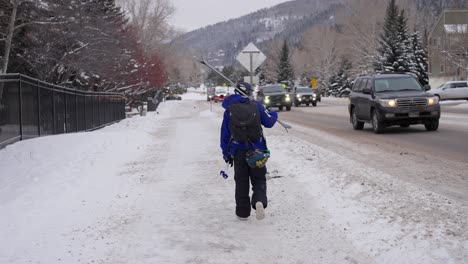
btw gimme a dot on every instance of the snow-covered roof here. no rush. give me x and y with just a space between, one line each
456 28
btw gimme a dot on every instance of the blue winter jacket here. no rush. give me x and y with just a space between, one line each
229 146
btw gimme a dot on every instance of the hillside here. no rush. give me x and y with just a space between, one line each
222 42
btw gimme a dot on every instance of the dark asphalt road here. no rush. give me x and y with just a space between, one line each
436 160
450 141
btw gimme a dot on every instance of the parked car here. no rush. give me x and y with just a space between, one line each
385 100
274 96
220 93
173 97
305 95
210 93
456 90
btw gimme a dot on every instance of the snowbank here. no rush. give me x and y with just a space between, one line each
389 220
462 106
194 96
452 102
201 89
54 190
335 99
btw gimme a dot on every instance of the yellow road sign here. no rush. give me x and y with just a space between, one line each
313 82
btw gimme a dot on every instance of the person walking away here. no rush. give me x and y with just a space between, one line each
244 147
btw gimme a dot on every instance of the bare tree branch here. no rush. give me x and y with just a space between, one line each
38 23
150 18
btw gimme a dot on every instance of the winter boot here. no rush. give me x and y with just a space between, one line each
243 218
259 211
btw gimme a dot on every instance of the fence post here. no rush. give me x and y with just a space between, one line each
107 110
99 109
93 100
38 109
76 111
66 112
54 112
85 112
20 108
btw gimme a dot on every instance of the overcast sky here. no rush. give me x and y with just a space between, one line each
193 14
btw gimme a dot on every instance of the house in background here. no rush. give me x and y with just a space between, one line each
448 48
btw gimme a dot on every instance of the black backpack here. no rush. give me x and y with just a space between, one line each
245 124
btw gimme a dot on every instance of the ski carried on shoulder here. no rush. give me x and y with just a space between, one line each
204 62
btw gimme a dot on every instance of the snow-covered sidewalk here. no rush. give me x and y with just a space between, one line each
147 190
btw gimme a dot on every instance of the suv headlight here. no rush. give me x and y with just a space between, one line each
298 96
267 99
388 102
288 98
432 100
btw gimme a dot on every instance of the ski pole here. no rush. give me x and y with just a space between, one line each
204 62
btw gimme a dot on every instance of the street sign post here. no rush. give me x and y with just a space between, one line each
251 58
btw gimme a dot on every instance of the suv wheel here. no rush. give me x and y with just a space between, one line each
376 123
432 125
357 125
288 108
281 108
314 104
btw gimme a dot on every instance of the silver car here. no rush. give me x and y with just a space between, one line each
455 90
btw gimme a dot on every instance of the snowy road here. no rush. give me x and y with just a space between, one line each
146 190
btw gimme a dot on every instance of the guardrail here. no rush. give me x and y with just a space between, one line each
32 108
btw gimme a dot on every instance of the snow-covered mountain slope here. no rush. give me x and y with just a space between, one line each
222 42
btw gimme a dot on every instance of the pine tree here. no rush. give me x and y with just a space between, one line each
340 82
390 50
405 56
305 78
14 51
285 71
396 52
420 59
96 48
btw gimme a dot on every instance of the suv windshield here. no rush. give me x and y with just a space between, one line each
304 90
397 84
273 89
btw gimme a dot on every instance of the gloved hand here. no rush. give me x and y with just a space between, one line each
229 160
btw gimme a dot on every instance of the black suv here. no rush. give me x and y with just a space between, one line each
306 95
275 95
390 100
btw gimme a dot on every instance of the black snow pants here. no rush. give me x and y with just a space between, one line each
244 174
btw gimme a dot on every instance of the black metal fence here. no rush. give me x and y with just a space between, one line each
31 108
